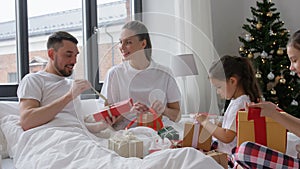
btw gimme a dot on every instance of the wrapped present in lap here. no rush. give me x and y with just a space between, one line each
150 119
196 136
219 157
115 109
126 145
263 130
168 132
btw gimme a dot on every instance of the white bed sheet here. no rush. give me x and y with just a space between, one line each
72 146
7 164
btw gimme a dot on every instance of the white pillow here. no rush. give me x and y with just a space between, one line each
7 108
11 129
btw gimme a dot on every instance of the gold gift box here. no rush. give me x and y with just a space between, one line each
219 157
276 133
204 137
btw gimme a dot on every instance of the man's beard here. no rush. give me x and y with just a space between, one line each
62 71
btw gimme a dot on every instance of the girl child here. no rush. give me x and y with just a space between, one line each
253 155
234 79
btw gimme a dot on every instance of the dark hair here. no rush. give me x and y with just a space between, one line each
242 69
142 33
55 40
295 40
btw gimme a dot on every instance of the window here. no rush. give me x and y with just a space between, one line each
46 17
8 58
12 77
109 28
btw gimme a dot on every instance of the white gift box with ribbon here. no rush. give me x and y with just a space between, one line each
126 144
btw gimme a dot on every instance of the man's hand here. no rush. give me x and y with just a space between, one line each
78 87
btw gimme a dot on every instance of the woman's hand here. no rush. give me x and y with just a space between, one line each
267 108
158 107
139 108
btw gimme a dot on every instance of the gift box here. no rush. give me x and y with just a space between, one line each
176 143
168 132
126 145
115 109
263 130
150 120
196 136
219 157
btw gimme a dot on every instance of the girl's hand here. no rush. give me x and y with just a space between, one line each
200 117
158 107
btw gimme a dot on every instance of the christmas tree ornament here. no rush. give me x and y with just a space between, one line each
280 51
271 76
250 55
264 54
274 43
294 103
258 75
241 49
292 73
273 91
271 33
270 14
248 37
282 80
258 25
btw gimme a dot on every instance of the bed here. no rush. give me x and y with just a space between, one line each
70 145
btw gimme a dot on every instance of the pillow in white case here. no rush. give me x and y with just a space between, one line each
9 107
11 128
6 108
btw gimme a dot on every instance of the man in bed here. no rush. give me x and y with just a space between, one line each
49 94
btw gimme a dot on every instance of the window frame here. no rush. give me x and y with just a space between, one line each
89 11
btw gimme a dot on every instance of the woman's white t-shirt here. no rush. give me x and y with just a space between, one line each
155 82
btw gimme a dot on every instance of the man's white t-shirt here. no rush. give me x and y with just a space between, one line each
156 82
229 121
46 88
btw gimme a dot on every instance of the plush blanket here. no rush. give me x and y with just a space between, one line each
71 146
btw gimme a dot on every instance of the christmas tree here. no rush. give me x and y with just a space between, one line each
264 42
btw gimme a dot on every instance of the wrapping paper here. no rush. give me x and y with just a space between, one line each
219 157
126 145
114 110
169 132
150 119
262 130
196 136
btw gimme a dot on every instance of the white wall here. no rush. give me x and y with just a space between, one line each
183 26
228 17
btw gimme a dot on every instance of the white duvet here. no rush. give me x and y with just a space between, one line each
68 147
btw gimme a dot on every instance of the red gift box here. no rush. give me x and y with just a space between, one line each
115 109
150 119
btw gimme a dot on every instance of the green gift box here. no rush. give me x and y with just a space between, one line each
169 132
